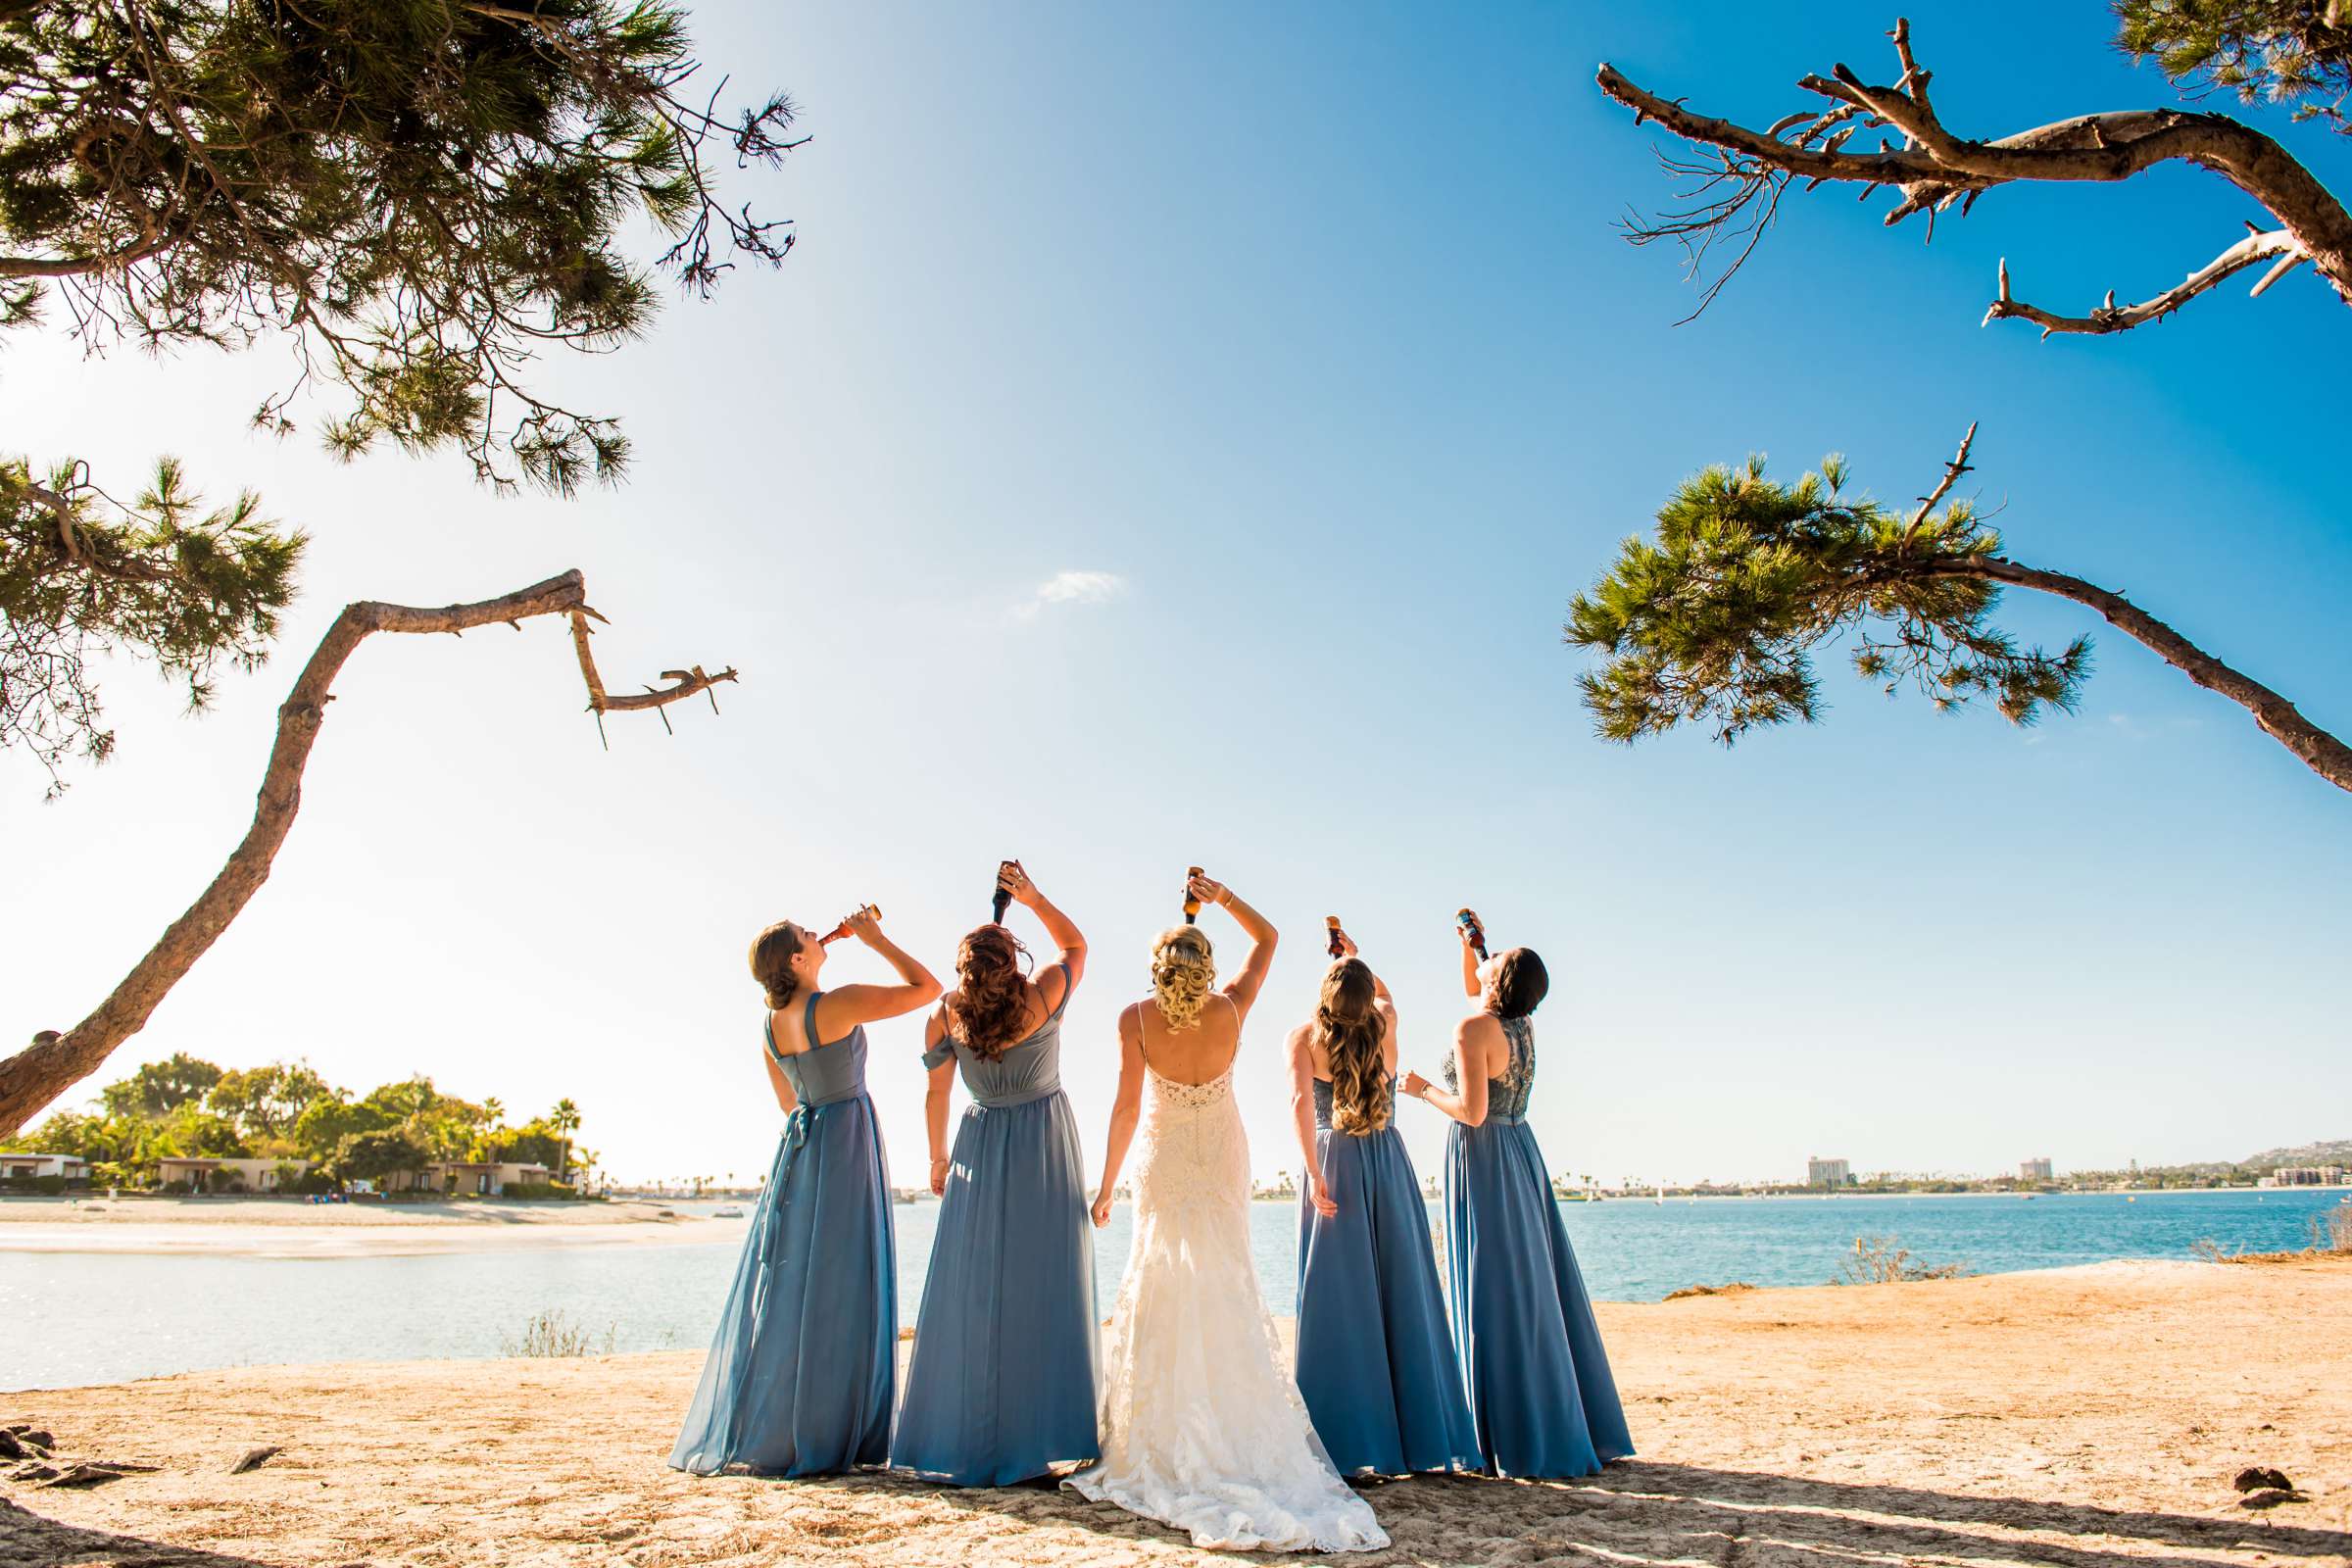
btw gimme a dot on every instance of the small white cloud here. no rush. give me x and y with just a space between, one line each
1071 588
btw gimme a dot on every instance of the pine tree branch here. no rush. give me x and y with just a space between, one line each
2278 718
54 1061
1935 168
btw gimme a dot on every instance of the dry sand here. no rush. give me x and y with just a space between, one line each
2081 1418
281 1227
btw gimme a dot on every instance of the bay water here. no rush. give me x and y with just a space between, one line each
67 1319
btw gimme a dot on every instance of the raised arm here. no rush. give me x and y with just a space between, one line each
840 1010
1125 1111
935 1102
1068 941
1303 1117
1244 987
1476 1039
1471 987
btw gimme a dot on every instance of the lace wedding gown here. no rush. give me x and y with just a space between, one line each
1201 1425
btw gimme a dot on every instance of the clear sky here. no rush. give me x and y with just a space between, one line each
1307 328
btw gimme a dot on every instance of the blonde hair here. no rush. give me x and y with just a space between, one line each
1352 1028
1183 968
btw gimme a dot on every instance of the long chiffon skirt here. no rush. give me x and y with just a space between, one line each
800 1376
1002 1384
1375 1359
1538 1382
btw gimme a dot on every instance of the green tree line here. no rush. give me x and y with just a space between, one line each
287 1110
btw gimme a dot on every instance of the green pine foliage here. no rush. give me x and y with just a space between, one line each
163 579
421 195
2292 52
1715 618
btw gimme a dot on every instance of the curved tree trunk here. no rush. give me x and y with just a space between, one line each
54 1061
2279 719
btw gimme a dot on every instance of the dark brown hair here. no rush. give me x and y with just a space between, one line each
772 953
987 1009
1520 984
1352 1029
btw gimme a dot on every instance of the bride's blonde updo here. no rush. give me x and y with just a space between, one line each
1182 969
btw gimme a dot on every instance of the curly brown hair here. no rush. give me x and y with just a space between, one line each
987 1009
772 953
1352 1028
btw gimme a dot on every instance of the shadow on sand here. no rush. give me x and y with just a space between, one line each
1649 1514
25 1537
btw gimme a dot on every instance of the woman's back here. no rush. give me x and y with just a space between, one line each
1200 1053
1029 1069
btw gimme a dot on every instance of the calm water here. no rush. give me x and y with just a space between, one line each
68 1318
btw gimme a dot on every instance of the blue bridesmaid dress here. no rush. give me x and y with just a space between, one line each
1002 1384
1538 1381
801 1373
1375 1362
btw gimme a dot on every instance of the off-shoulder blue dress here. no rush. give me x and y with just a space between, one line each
1538 1381
1002 1384
1375 1361
801 1373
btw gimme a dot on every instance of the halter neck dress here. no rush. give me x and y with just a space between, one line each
1374 1360
1002 1384
1538 1381
801 1372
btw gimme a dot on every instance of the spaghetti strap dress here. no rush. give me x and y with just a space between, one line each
1375 1359
801 1373
1540 1392
1002 1384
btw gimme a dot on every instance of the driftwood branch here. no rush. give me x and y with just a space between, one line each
56 1060
1935 168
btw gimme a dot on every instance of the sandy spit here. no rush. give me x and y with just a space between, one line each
2083 1420
229 1227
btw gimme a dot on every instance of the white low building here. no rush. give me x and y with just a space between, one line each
69 1167
222 1174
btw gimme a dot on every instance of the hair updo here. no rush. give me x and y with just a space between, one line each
1520 983
987 1009
772 953
1183 968
1352 1030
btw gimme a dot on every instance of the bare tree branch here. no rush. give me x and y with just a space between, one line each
2111 317
54 1061
1935 168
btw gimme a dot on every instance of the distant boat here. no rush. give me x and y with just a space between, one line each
728 1212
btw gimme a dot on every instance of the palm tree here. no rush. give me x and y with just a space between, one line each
566 1119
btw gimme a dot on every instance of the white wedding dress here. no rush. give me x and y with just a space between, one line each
1201 1425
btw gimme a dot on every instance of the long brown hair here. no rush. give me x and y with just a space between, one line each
987 1009
772 953
1352 1030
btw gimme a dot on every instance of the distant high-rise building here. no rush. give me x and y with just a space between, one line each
2036 1169
1821 1172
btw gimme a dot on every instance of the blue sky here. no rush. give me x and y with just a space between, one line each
1308 331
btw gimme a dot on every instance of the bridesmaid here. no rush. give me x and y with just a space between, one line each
1538 1382
1002 1385
1374 1363
801 1373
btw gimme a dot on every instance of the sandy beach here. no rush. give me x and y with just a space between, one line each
2079 1417
287 1228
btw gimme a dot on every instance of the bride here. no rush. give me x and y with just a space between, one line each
1201 1425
